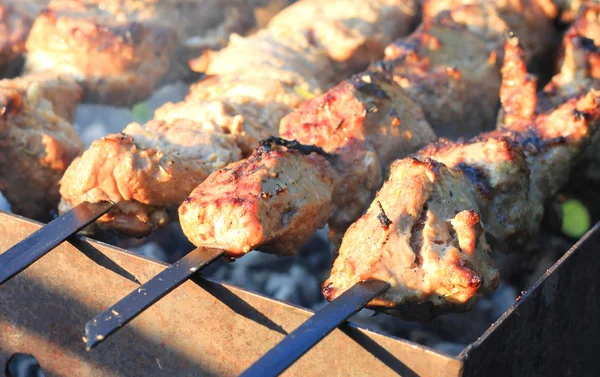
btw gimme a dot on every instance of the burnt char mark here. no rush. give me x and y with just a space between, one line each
328 291
265 146
368 86
580 115
12 105
534 144
588 44
384 66
416 234
382 217
473 280
479 179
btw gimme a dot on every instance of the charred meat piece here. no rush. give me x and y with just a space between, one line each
36 146
275 198
368 121
60 90
250 85
145 169
506 176
423 235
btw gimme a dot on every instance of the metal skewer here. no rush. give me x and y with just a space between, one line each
109 321
39 243
301 340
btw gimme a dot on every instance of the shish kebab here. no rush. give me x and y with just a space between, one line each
397 115
427 251
149 168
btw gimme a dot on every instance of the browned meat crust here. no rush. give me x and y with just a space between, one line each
252 83
431 249
368 121
145 169
257 201
505 177
36 146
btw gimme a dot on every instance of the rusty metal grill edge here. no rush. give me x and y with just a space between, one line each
207 328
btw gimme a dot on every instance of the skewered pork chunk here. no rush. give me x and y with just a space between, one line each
548 143
36 146
251 84
121 50
259 196
441 75
146 168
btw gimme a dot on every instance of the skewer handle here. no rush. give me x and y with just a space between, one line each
132 305
39 243
301 340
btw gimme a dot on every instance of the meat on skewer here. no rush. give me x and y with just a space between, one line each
444 67
440 203
36 142
250 85
121 50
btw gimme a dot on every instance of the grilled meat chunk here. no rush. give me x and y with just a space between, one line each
275 199
250 85
145 169
36 146
60 90
423 235
368 121
507 174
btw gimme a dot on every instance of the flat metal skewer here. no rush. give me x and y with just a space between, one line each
301 340
113 318
39 243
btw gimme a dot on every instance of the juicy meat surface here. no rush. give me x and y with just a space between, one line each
505 176
60 90
368 121
36 146
275 199
146 168
423 235
249 86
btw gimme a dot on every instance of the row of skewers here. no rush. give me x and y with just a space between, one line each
427 230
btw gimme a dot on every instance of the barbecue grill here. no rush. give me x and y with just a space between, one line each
206 327
425 234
